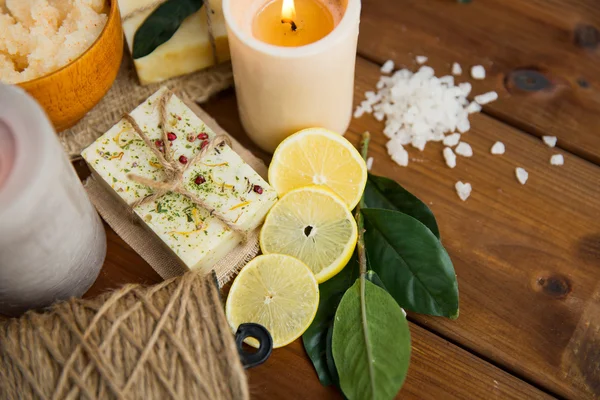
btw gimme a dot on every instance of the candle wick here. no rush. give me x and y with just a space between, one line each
291 22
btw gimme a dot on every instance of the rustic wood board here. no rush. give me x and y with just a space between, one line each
527 257
556 42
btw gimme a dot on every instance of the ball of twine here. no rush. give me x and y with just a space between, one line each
168 341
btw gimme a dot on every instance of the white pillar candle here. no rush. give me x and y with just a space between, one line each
52 242
281 90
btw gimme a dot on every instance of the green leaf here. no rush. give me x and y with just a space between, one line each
315 337
385 193
411 262
162 24
371 349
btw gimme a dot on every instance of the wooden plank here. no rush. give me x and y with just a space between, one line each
438 368
527 257
556 41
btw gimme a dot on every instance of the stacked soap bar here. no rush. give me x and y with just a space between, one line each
222 179
188 50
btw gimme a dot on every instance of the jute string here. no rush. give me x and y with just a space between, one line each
168 341
173 169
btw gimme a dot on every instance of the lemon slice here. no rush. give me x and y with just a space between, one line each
316 156
277 291
313 225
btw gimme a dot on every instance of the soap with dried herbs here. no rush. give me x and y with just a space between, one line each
221 179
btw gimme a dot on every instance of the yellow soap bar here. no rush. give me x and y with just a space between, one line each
188 50
227 184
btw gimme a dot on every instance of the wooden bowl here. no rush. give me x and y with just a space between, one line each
70 92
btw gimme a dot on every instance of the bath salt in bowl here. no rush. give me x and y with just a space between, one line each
65 53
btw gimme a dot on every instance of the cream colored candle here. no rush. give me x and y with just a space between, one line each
291 86
52 243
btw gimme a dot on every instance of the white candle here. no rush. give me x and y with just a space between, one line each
52 243
281 90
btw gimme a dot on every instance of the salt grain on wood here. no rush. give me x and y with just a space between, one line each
550 140
463 190
557 159
387 67
522 175
421 59
464 149
369 163
450 157
478 72
473 107
452 140
486 98
498 148
456 69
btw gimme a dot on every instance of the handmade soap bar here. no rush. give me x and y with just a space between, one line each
188 50
225 183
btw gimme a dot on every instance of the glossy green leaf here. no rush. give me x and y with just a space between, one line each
162 24
385 193
315 337
411 262
371 349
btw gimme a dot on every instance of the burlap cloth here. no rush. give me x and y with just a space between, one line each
136 233
168 341
126 94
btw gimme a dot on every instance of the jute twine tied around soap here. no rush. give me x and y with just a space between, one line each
168 341
136 233
173 169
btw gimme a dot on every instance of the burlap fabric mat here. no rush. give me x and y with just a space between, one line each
126 94
136 233
168 341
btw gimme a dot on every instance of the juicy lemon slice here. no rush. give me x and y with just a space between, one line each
277 291
313 225
316 156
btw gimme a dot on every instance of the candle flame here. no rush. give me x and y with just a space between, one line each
288 11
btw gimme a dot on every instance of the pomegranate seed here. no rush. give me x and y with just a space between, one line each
204 144
159 143
202 136
258 189
183 159
199 180
171 136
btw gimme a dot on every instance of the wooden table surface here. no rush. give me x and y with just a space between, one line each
527 257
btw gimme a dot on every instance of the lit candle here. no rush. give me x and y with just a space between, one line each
293 64
279 23
52 243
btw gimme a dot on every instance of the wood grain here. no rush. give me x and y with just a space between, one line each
438 368
69 93
527 257
541 56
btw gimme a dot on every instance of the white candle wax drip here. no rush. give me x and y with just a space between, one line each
52 243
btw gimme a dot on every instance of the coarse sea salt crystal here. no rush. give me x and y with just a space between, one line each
397 152
478 72
421 59
473 107
463 190
452 140
498 148
369 163
465 87
557 159
486 98
387 67
550 140
464 149
456 69
522 175
450 157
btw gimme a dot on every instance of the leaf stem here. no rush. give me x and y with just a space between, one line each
362 261
362 257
